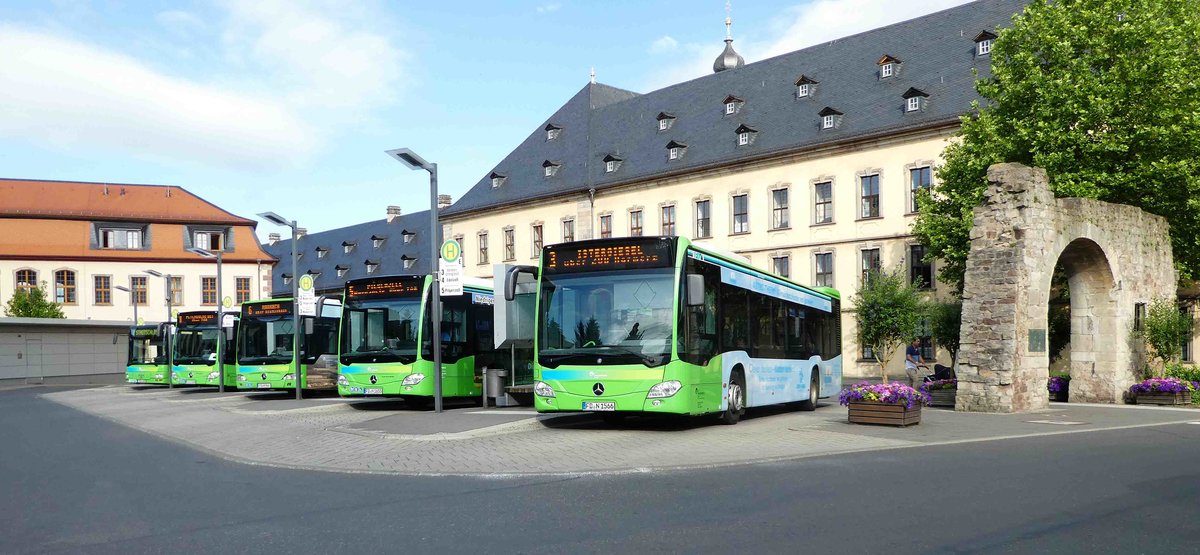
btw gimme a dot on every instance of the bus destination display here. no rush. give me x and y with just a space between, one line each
384 287
146 331
643 254
198 318
268 309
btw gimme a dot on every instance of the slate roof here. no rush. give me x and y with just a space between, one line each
389 255
939 58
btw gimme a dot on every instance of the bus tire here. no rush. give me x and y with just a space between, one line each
814 391
737 399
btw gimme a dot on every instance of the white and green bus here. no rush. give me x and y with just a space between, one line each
664 325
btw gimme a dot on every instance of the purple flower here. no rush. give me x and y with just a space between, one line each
937 385
1057 384
1163 385
894 393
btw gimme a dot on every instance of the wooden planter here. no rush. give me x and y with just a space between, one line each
942 397
1184 398
869 412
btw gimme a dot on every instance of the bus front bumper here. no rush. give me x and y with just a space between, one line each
636 401
368 384
150 377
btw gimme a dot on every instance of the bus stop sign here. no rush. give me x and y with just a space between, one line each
306 299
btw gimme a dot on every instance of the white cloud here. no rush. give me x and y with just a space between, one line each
797 27
71 95
664 44
549 7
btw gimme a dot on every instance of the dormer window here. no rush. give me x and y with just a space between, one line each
372 265
914 99
611 163
377 240
983 43
889 66
408 236
732 105
287 279
321 252
745 134
498 179
408 261
552 131
341 270
830 118
665 121
675 150
805 87
315 274
348 246
549 168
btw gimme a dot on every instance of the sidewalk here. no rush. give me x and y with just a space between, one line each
384 436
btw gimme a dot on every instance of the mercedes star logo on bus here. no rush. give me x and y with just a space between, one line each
373 380
264 376
598 388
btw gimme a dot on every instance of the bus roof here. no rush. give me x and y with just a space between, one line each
744 263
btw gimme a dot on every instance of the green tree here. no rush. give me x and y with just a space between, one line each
889 312
945 322
32 303
1103 94
1164 330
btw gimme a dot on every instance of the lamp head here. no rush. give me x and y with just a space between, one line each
202 252
122 288
409 158
154 273
275 219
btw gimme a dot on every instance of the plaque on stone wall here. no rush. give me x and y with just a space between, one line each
1037 341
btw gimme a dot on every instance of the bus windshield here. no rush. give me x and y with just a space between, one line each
196 345
606 317
380 330
146 349
266 339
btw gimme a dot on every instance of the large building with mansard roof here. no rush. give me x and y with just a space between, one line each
805 163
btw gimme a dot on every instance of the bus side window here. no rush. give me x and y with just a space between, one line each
698 324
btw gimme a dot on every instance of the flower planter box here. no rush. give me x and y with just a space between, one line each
1060 396
942 397
1184 398
866 412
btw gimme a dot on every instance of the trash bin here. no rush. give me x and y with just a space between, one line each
496 382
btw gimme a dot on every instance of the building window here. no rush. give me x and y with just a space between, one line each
408 236
133 239
781 265
321 252
1139 316
348 246
983 47
209 240
606 226
779 209
549 169
870 263
102 288
242 287
137 284
538 241
208 290
407 262
26 279
823 263
119 238
919 178
870 196
885 70
673 153
913 104
177 290
1186 354
287 279
920 272
743 138
610 166
823 202
663 124
730 108
341 270
635 223
552 133
802 90
377 241
483 248
568 227
372 266
925 338
867 353
668 220
497 179
64 287
741 214
510 245
827 122
703 219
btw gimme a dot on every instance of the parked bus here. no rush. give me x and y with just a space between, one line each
266 358
384 321
199 343
664 325
148 346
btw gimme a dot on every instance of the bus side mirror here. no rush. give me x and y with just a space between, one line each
695 290
511 278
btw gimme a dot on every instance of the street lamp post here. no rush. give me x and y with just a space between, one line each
415 162
170 327
280 220
132 298
220 316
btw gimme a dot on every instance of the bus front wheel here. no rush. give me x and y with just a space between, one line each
737 399
813 392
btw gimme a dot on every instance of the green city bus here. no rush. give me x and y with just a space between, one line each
385 319
265 353
664 325
198 344
148 346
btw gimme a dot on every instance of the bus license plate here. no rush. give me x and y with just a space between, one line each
354 389
599 406
190 382
264 386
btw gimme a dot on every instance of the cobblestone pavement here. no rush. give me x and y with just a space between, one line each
333 435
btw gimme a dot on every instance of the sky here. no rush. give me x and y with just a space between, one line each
266 105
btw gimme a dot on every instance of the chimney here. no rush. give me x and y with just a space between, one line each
444 201
393 212
301 232
106 189
272 239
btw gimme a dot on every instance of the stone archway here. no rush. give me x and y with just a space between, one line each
1115 256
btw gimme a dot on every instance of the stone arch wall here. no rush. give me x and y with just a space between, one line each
1115 256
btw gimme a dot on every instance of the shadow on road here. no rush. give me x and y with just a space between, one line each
659 422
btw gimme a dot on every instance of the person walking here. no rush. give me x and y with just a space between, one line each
912 361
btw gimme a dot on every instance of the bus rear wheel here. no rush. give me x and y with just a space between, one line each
737 400
813 392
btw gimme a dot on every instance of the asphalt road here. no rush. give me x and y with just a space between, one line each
70 482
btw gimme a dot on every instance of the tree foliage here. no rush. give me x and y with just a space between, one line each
32 303
1164 330
889 312
945 322
1103 94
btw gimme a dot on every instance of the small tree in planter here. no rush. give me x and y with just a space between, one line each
1164 330
889 312
945 320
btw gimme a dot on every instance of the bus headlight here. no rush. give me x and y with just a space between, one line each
213 375
664 389
174 375
542 390
241 377
287 377
342 380
413 379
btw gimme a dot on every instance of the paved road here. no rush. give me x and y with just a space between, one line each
70 482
